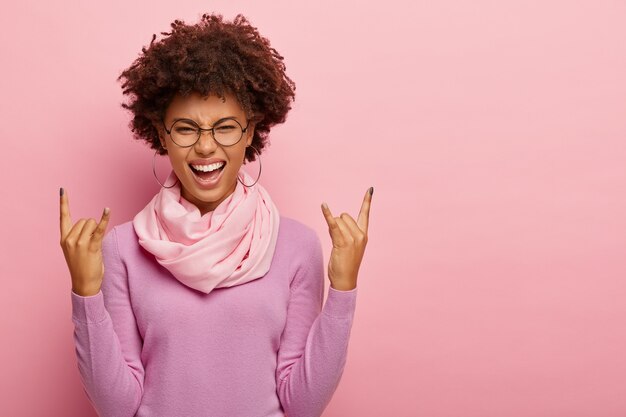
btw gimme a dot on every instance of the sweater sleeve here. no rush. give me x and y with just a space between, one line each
314 342
107 341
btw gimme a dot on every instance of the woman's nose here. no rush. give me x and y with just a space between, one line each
206 143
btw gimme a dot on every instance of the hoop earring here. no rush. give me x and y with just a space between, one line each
260 168
154 172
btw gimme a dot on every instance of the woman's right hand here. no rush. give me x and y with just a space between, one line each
82 247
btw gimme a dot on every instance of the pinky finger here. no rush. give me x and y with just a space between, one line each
333 228
102 226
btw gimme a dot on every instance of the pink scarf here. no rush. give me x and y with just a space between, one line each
228 246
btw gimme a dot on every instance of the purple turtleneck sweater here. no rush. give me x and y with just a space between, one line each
147 345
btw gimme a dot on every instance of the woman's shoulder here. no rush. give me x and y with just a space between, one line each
121 236
296 232
123 230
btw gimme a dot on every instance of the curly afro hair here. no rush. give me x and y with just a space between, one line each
212 56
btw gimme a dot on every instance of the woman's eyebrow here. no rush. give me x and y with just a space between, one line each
216 122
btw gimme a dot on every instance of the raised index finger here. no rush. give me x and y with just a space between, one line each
364 213
66 220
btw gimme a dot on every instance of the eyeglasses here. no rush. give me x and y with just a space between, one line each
186 132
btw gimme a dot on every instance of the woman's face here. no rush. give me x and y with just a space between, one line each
206 112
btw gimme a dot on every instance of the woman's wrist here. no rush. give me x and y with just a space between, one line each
342 286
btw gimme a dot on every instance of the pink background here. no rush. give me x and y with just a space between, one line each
493 132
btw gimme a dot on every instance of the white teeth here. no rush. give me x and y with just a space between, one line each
208 168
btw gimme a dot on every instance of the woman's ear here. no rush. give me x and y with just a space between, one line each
161 134
250 133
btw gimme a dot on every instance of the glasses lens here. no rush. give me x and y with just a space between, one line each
184 133
228 132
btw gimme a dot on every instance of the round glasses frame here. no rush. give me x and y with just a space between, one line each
200 130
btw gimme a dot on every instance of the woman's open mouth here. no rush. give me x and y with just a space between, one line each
207 177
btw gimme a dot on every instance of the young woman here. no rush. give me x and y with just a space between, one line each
209 302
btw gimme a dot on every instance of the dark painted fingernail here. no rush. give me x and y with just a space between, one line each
61 191
371 191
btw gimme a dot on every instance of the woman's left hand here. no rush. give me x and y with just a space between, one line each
349 239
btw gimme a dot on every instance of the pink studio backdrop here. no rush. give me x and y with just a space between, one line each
494 282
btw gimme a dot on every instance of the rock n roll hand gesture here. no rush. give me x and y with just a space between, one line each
349 240
82 247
